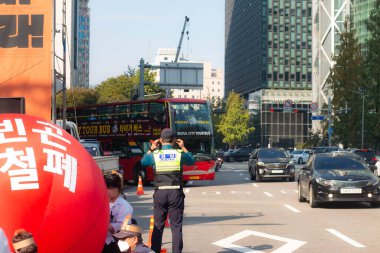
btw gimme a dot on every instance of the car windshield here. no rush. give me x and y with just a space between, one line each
272 153
338 163
298 152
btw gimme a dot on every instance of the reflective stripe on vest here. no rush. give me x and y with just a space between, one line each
167 161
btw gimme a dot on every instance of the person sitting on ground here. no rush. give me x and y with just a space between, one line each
130 240
119 210
23 242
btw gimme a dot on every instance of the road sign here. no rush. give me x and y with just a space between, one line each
228 243
318 117
288 105
314 106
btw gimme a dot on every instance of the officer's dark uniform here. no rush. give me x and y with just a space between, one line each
168 197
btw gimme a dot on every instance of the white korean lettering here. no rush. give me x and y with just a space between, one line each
18 159
58 162
6 126
21 168
48 132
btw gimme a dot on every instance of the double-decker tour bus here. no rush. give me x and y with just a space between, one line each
125 129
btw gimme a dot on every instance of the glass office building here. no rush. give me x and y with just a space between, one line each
360 11
83 44
268 48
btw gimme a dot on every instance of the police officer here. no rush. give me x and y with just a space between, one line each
130 240
168 197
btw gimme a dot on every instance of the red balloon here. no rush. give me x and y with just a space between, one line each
50 186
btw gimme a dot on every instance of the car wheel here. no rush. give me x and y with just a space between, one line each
301 198
292 179
257 177
300 161
231 159
312 202
251 176
375 204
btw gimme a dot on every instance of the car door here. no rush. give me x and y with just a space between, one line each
305 176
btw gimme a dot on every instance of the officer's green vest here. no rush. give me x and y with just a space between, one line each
168 173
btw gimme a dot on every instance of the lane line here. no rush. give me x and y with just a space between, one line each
282 191
241 174
268 194
211 193
187 190
246 178
345 238
292 208
255 185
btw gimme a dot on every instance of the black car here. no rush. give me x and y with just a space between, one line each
337 178
271 163
239 155
368 155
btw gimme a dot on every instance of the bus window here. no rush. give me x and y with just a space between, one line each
140 110
122 111
157 112
191 117
88 114
105 112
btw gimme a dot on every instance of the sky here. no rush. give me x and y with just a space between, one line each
124 31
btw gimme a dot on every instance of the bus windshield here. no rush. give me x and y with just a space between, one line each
191 118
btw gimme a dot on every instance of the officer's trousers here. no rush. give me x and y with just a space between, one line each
166 202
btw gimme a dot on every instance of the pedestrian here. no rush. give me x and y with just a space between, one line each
130 240
23 242
119 210
4 248
168 197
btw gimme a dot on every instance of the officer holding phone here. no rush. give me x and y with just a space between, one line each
168 197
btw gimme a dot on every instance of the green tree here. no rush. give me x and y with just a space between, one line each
372 65
117 89
235 123
346 77
217 107
78 97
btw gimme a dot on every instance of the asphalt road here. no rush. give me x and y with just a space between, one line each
234 214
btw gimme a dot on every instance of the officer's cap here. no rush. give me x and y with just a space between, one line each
128 231
167 134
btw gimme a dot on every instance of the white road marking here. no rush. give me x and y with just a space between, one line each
290 245
240 192
211 193
246 178
292 208
187 190
241 174
228 167
345 238
255 185
191 182
283 192
268 194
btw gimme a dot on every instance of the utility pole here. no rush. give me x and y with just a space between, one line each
363 97
141 86
329 131
64 65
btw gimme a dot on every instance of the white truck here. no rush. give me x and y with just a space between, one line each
106 163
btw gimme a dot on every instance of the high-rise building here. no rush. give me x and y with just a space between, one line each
268 60
328 22
76 13
213 80
83 44
360 11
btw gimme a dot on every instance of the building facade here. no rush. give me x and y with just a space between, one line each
360 11
268 48
213 79
84 44
328 22
76 13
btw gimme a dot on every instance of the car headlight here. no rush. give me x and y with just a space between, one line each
261 164
325 182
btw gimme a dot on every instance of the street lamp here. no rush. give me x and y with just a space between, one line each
361 92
